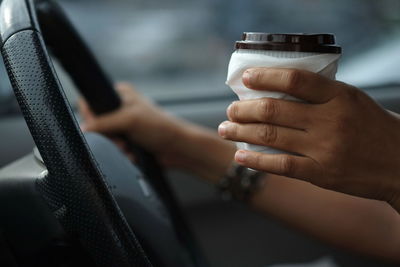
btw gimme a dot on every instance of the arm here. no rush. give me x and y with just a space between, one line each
176 143
367 226
340 138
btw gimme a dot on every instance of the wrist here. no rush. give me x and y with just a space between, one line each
209 156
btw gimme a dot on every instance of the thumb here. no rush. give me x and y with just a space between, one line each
84 110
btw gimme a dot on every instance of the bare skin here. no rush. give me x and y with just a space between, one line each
175 142
344 141
367 226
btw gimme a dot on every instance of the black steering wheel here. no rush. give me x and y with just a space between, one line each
73 185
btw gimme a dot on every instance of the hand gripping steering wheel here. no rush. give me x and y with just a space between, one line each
74 186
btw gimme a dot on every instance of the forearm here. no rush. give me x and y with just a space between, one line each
206 154
367 226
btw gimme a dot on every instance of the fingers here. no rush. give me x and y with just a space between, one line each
302 84
302 168
280 112
287 139
110 123
114 122
124 88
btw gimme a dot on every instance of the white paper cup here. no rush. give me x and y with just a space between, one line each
243 59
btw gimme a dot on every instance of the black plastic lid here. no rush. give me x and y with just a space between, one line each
300 42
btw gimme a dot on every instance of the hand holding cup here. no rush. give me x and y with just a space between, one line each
340 139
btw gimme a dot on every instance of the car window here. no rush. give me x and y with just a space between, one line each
8 103
165 46
174 49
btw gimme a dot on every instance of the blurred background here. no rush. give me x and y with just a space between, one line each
176 52
174 47
185 45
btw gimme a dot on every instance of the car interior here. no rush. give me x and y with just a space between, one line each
69 198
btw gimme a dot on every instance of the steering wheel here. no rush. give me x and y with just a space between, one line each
96 211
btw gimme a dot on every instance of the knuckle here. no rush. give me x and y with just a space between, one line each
287 165
268 109
257 161
268 134
292 79
257 78
352 94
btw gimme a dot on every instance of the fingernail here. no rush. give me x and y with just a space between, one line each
222 128
240 156
246 78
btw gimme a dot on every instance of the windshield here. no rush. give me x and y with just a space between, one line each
172 48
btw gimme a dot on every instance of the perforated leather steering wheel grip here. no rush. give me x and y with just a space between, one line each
74 187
